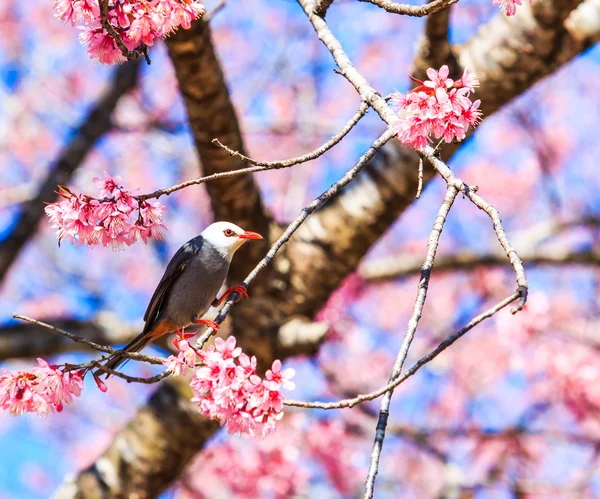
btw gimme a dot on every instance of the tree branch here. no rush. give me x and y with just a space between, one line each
149 452
434 48
404 265
359 399
384 411
412 10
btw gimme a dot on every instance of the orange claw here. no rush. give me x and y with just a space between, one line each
241 290
208 323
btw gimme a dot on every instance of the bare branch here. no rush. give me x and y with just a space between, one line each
404 265
261 166
420 179
91 344
285 163
351 402
434 49
384 411
412 10
478 201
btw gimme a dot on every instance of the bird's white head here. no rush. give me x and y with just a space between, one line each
227 237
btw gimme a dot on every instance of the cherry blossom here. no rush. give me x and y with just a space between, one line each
185 358
115 218
439 106
43 390
227 388
509 7
136 21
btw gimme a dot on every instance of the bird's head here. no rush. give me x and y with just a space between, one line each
227 237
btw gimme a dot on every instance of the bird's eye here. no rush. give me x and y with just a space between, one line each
228 232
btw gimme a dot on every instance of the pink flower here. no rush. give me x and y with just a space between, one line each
438 107
276 378
438 79
42 391
108 220
135 21
469 80
184 12
64 10
227 349
18 394
108 185
185 357
57 386
175 365
86 11
101 45
227 388
509 7
141 28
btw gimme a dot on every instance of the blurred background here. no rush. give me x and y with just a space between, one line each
511 410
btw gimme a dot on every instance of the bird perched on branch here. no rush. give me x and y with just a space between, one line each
190 285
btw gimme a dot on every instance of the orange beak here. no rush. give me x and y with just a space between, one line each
249 235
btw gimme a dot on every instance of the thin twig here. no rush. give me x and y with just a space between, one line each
292 227
285 163
262 166
215 10
384 411
412 10
131 379
478 201
405 264
407 374
101 348
420 179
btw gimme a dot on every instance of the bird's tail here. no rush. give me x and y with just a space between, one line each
135 345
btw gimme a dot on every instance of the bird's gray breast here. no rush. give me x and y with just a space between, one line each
197 287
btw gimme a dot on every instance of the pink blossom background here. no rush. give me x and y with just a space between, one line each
515 402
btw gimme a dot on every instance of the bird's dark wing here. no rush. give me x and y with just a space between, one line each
175 268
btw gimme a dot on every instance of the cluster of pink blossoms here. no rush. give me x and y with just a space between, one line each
43 390
106 220
509 7
227 388
439 106
136 22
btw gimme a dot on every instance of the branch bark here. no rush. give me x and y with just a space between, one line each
405 265
94 126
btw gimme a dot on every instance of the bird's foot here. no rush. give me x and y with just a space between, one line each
182 335
240 290
211 324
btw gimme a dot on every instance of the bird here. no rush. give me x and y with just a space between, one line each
190 285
